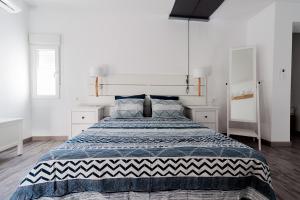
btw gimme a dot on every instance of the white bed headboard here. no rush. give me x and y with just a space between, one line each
149 84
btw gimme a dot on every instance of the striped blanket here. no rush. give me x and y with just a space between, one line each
125 157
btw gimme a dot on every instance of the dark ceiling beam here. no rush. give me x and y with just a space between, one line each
195 9
191 18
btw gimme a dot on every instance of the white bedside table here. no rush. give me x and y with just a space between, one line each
206 115
83 117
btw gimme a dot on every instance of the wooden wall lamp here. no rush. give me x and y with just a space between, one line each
96 72
200 73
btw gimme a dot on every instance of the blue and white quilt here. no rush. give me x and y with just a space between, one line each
148 155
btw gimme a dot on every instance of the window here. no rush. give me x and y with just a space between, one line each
46 71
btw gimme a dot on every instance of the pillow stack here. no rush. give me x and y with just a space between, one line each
133 107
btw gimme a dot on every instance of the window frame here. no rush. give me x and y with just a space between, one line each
33 52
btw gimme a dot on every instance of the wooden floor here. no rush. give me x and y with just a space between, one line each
13 168
284 163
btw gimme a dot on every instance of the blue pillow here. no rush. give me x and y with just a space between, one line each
164 97
141 96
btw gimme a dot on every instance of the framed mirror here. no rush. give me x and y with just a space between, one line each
243 95
242 85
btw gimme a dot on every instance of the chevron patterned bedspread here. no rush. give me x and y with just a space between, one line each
140 156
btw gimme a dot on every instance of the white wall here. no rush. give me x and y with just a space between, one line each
272 31
14 70
287 12
130 41
260 32
210 44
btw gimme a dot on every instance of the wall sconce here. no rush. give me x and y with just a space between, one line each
199 73
96 72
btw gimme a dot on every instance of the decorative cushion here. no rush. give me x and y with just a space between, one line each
164 97
147 107
166 109
128 108
141 96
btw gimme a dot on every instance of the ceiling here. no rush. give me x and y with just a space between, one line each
230 9
106 6
240 9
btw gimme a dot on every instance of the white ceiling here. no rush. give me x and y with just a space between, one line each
230 9
124 6
240 9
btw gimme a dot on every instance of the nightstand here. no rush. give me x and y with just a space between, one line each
84 117
206 115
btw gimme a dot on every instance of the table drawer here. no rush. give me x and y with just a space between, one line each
79 128
88 117
205 116
210 125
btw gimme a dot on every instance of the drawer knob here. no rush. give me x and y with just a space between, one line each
82 117
205 116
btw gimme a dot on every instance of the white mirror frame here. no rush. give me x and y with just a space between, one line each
254 81
242 131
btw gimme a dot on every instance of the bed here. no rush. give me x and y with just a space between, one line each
148 158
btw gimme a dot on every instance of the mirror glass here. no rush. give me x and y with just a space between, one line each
243 85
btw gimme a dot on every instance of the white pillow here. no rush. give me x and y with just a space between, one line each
128 108
167 109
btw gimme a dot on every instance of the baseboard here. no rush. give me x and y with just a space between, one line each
276 144
45 138
49 138
27 140
268 143
281 144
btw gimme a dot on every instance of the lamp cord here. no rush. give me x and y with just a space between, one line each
188 62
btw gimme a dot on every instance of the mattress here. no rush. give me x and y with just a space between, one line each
148 158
